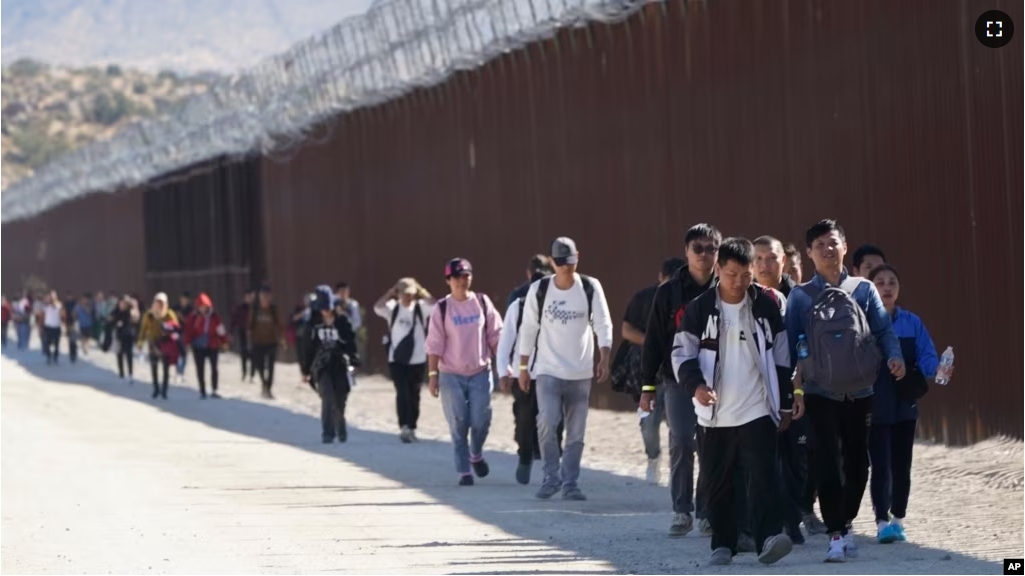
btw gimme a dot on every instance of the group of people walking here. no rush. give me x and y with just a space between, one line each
787 392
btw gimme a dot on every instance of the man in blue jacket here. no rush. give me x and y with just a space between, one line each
840 422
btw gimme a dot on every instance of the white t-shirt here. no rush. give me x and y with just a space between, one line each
565 348
52 316
742 395
404 323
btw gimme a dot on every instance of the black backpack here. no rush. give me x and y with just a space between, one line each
542 292
404 349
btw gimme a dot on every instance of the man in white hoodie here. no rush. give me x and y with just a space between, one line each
562 315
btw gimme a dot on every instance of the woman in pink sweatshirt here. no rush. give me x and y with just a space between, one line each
463 337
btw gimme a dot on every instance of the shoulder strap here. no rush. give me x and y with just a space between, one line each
395 314
542 291
484 312
850 285
443 307
417 314
589 293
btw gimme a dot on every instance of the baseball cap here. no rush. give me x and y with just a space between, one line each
160 297
564 251
458 267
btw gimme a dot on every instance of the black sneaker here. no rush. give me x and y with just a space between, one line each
480 468
343 434
202 395
214 394
156 393
327 439
466 480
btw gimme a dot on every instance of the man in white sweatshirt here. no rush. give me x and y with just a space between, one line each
560 314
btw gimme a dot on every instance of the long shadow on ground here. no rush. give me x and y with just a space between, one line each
617 524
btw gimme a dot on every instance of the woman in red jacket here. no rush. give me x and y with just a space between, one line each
205 333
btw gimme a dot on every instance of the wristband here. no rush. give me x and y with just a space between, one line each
648 389
799 392
524 367
432 373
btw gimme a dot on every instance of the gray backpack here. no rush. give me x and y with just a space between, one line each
843 357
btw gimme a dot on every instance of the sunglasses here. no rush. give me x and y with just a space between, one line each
700 249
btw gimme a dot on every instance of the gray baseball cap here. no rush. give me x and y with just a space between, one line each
564 251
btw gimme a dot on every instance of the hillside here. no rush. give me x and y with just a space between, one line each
49 110
183 35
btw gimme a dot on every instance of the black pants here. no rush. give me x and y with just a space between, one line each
333 388
408 379
890 448
740 495
72 347
796 484
4 338
749 449
263 358
840 459
525 415
200 356
124 356
51 343
155 362
248 366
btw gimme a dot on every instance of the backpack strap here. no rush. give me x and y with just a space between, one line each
484 312
395 315
443 307
589 293
542 292
850 285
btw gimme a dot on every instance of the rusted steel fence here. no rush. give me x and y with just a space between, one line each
759 117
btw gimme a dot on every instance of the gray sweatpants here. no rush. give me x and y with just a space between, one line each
564 401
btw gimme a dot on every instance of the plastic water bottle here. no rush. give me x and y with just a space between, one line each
946 366
802 347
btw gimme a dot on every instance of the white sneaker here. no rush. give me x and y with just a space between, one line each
837 550
405 435
654 473
850 544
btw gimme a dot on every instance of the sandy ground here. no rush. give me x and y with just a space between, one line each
98 478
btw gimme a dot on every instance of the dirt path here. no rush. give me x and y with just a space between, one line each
99 478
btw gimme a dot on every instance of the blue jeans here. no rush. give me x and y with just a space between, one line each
466 401
22 329
682 428
651 425
563 401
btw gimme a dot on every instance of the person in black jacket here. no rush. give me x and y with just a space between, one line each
328 350
124 324
671 298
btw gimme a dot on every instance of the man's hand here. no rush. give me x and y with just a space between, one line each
603 370
896 366
432 385
705 396
784 420
647 403
798 406
525 381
